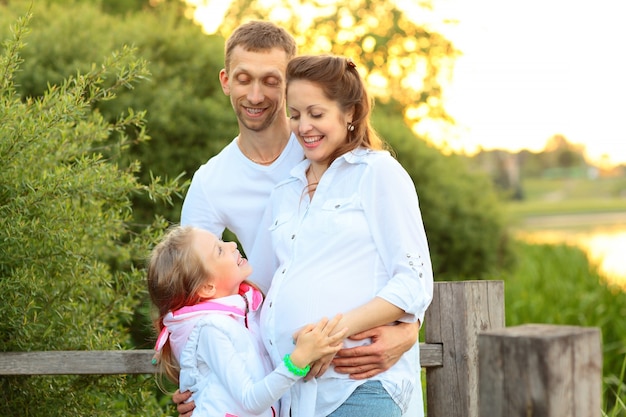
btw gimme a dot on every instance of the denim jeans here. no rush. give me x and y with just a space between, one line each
368 400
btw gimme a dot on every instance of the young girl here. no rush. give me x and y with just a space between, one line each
208 328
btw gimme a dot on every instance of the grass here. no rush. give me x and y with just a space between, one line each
569 196
520 210
619 407
543 189
557 283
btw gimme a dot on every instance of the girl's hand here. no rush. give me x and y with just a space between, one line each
316 341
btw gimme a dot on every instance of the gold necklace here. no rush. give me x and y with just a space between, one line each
312 182
268 162
312 171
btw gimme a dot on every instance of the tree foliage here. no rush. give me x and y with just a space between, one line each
71 236
188 117
70 263
399 58
461 212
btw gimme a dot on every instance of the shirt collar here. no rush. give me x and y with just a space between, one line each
248 299
357 156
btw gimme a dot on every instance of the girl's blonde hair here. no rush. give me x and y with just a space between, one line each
175 275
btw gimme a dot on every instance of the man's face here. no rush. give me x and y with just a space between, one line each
256 86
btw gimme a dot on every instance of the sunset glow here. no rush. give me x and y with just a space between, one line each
529 70
535 68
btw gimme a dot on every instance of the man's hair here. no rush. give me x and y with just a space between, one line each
259 36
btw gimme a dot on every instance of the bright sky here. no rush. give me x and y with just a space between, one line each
535 68
531 69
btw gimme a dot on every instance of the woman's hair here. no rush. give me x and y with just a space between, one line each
340 81
175 275
259 36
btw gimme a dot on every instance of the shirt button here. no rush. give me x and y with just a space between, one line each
270 304
284 270
293 237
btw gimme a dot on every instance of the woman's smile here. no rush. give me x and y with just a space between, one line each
311 140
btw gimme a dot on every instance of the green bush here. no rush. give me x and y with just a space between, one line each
70 264
188 117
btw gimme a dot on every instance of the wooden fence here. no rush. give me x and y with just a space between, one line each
474 365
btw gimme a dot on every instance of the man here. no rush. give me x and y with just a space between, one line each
231 190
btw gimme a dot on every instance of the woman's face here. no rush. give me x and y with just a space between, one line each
318 122
225 264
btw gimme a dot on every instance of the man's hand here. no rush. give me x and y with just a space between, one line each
184 409
388 345
319 367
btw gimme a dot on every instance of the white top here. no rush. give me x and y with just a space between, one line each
224 364
230 191
361 236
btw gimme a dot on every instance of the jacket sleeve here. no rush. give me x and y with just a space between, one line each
392 210
217 349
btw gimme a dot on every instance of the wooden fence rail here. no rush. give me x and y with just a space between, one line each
461 314
110 362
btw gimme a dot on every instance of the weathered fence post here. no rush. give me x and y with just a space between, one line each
540 370
459 311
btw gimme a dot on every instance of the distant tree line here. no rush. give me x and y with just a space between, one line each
559 159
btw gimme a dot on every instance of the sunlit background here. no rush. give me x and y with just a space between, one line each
529 70
540 76
536 68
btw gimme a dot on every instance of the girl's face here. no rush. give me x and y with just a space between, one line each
318 122
224 262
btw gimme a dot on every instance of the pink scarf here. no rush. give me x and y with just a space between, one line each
177 325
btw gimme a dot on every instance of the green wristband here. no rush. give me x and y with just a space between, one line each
293 368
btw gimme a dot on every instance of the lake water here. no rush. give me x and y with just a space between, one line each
604 241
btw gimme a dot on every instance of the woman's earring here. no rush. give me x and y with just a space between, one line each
350 127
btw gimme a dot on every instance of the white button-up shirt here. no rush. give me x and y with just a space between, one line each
360 237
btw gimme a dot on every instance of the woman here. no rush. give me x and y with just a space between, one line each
346 235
